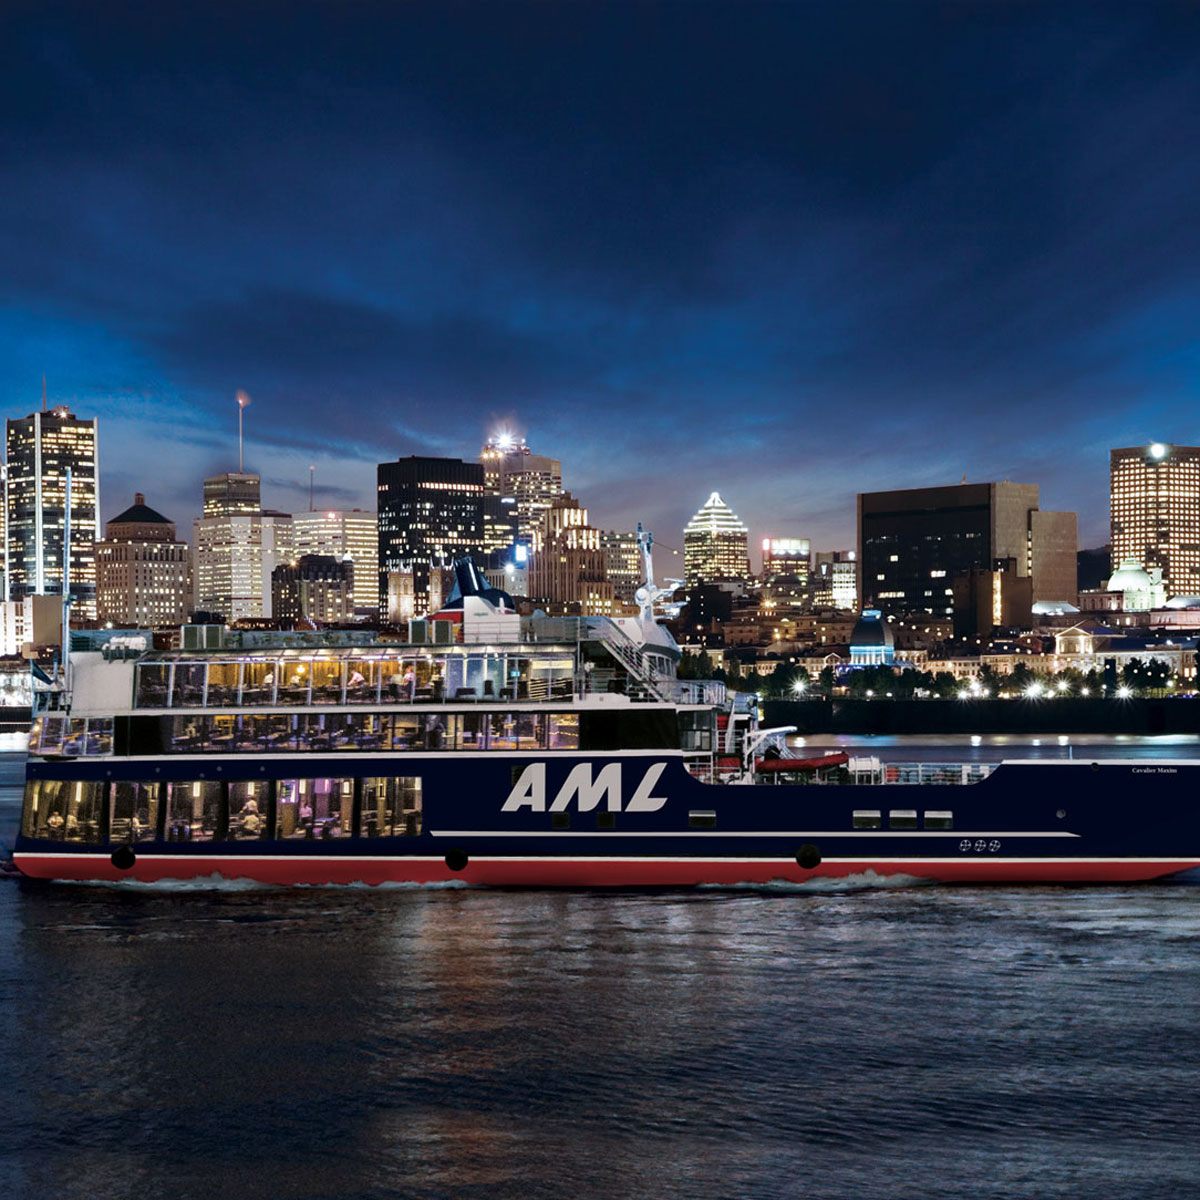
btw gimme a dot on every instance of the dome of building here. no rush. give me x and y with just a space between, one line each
1130 576
1053 608
139 513
872 641
1184 602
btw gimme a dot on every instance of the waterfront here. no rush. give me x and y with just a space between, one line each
922 1042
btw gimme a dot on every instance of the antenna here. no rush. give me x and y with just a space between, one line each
311 472
242 400
43 392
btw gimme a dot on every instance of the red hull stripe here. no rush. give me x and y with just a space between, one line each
592 872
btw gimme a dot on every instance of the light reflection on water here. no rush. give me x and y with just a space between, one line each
930 1042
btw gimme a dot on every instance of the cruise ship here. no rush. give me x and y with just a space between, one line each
494 749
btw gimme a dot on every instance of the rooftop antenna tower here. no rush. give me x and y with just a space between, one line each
43 393
242 400
311 471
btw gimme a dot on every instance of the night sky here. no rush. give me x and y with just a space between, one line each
787 251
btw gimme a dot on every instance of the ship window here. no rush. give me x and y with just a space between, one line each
564 731
518 731
294 680
193 811
99 736
405 731
66 810
695 731
362 681
560 820
188 688
867 818
391 807
223 683
314 808
326 681
133 812
473 729
939 820
700 818
606 820
902 818
152 685
248 809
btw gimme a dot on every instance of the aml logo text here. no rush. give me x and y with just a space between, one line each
585 790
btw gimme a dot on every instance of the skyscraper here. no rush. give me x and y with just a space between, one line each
914 543
715 544
41 448
567 573
141 570
348 535
238 544
430 512
510 469
1154 499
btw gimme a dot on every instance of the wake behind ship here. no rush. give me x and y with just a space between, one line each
501 750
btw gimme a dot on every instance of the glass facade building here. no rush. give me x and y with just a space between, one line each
1155 510
716 544
41 448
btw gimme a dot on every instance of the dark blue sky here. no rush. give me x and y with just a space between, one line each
789 252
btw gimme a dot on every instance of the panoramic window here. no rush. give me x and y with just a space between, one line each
152 685
222 683
391 807
248 809
314 808
193 811
65 810
133 812
187 691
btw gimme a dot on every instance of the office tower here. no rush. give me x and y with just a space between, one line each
622 564
567 568
41 447
141 570
715 544
785 557
237 547
510 469
430 512
316 587
1155 507
349 535
913 544
835 579
231 492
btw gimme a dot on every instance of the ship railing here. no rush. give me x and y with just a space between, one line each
873 772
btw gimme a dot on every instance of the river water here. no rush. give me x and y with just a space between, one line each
327 1043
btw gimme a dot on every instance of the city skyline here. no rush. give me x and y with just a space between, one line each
678 248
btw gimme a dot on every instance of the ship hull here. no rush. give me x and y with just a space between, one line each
633 819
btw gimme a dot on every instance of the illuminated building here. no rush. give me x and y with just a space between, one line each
510 469
1155 507
348 534
835 576
622 564
141 570
715 544
430 513
41 447
567 568
872 642
237 548
913 544
785 557
231 492
316 587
